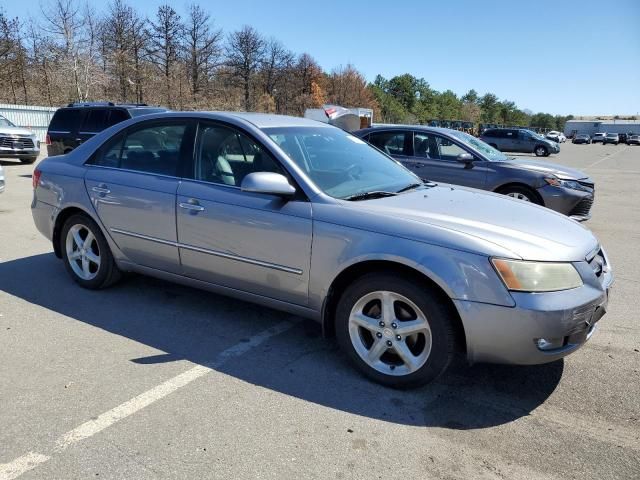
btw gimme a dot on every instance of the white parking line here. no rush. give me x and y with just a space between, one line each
608 157
31 460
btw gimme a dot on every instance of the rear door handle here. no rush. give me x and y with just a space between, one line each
192 205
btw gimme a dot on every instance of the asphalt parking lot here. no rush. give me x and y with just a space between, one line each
153 380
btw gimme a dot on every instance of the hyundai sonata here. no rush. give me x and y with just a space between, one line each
304 217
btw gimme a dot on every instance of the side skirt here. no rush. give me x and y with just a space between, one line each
222 290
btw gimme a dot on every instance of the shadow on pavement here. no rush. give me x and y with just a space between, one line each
190 324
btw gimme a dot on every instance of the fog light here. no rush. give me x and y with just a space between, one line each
549 343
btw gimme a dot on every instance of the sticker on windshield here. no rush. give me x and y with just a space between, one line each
355 139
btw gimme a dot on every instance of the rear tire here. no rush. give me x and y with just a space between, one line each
397 332
86 253
28 160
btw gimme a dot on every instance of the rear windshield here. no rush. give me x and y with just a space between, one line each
65 120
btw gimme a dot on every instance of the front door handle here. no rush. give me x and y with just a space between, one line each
191 205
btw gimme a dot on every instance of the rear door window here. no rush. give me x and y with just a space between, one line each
152 149
95 120
392 143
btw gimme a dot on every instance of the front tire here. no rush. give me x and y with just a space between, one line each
86 253
521 193
541 151
395 331
28 160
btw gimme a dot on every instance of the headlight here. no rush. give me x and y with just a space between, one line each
559 182
525 276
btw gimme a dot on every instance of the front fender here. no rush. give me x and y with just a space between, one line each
461 275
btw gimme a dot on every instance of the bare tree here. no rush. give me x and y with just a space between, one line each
203 45
10 48
74 43
245 50
164 45
117 43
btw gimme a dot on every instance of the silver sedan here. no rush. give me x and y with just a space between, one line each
303 217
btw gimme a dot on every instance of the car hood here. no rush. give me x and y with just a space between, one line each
546 168
476 221
15 131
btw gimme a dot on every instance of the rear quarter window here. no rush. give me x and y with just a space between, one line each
66 120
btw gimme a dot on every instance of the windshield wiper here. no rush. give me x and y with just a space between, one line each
411 186
370 195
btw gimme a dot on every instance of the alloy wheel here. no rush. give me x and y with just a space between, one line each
390 333
83 252
519 196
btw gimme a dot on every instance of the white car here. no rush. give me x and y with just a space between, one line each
556 136
598 137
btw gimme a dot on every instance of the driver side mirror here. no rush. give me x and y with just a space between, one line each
465 158
267 182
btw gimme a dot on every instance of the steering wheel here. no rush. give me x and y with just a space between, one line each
354 171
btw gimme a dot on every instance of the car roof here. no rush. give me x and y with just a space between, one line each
392 126
267 120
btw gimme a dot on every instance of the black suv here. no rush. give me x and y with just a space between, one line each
78 122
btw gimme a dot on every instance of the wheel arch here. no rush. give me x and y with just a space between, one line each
529 188
357 270
61 218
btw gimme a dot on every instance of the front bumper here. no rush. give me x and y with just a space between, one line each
6 152
512 335
573 203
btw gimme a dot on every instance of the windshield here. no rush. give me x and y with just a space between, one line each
534 134
612 135
5 123
474 143
340 164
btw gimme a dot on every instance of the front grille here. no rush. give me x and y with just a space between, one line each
16 142
582 208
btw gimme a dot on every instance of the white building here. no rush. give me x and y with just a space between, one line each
590 127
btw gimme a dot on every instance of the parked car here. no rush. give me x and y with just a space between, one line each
443 155
598 137
581 138
301 216
611 138
78 122
17 142
2 180
633 139
556 136
622 137
519 140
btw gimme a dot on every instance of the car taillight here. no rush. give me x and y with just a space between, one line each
35 178
48 139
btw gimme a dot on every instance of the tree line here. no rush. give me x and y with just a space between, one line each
73 53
